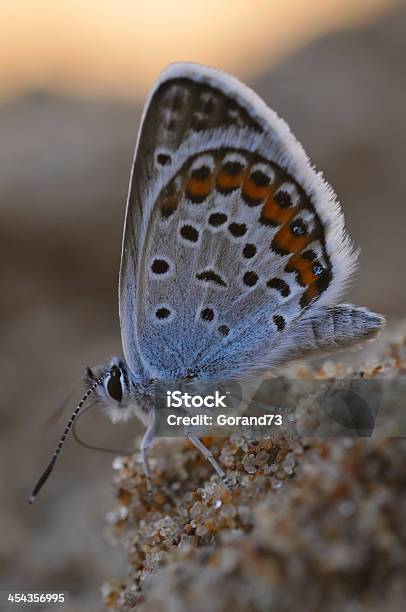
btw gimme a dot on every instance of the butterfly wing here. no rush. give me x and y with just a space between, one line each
231 236
173 113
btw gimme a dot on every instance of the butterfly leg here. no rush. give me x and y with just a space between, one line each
207 454
145 445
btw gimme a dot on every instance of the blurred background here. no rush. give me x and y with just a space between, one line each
73 78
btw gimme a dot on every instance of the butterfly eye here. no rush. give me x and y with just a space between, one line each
114 387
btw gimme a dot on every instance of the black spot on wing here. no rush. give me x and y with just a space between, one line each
250 278
217 219
279 322
201 174
237 229
209 276
162 313
207 314
159 266
190 233
280 285
283 198
260 178
249 251
163 159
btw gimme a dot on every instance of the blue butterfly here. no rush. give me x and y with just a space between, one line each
234 251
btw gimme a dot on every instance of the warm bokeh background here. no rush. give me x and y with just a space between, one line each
117 48
73 75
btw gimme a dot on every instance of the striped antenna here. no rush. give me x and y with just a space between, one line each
47 472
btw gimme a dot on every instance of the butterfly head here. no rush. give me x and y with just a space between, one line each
116 393
113 389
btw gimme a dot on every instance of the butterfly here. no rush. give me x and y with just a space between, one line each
234 253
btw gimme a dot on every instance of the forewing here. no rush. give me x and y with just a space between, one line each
177 108
230 234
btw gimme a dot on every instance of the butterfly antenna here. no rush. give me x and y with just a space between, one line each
47 472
